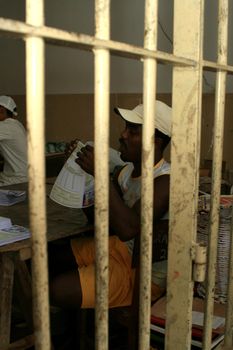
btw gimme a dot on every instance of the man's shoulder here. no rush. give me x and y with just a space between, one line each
9 121
5 127
13 123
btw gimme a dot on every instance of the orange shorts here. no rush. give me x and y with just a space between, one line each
121 275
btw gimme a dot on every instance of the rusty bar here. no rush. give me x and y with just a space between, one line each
102 15
216 171
36 152
149 93
185 153
213 66
82 41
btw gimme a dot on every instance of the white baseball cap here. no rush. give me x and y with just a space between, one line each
8 103
163 116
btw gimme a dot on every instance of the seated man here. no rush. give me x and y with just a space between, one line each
13 144
75 286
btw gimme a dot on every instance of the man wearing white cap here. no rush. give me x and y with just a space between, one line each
13 144
74 289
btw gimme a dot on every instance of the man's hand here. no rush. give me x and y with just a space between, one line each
70 146
86 159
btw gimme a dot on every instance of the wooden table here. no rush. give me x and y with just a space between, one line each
61 222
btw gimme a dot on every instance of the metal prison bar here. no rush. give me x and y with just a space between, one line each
188 62
216 175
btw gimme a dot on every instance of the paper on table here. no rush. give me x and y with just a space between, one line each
5 223
73 187
198 319
13 234
10 197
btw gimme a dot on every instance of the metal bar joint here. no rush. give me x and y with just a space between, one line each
199 257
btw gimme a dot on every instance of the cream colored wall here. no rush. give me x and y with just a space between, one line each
207 129
71 116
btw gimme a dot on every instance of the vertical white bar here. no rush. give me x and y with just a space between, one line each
36 154
216 169
102 15
149 93
185 153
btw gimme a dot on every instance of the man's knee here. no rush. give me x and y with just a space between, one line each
65 290
55 292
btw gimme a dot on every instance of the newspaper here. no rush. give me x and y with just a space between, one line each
10 197
73 187
13 234
5 223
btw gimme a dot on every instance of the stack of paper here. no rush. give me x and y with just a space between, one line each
224 238
13 234
158 321
8 197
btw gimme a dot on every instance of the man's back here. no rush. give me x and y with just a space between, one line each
13 148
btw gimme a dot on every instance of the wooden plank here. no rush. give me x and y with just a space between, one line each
23 291
22 344
25 253
6 285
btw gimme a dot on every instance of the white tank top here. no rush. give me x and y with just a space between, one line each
131 186
131 189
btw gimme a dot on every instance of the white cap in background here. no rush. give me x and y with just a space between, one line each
8 103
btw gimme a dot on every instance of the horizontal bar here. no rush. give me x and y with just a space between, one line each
60 37
213 66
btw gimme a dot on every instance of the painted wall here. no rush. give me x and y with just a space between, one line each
70 71
71 116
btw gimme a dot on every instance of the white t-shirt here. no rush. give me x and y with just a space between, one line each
131 189
13 148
